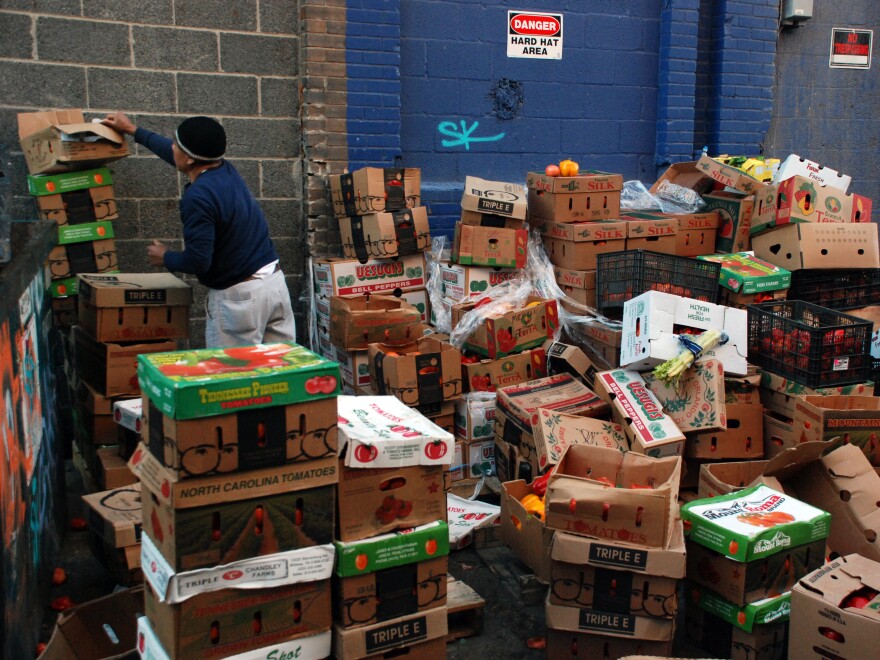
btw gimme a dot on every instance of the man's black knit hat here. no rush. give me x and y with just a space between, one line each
201 138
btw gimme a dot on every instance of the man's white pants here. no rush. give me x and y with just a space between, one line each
255 311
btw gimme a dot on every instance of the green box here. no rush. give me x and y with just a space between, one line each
424 542
753 523
85 232
743 273
69 286
768 610
216 381
54 184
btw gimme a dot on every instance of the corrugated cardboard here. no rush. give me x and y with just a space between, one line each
573 207
586 181
697 402
115 515
655 234
85 232
743 437
375 190
728 477
779 394
577 246
584 619
501 334
62 140
67 261
570 359
356 322
526 535
799 199
501 243
727 176
372 641
744 273
794 165
613 503
112 470
475 416
57 184
697 233
347 277
735 212
555 431
382 235
494 198
73 208
855 419
747 617
579 285
458 281
487 375
685 174
590 645
819 246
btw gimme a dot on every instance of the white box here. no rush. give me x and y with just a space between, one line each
648 338
794 165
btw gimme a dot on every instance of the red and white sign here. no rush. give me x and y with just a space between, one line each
851 49
534 35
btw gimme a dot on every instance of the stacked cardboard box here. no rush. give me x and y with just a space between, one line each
115 522
390 588
238 472
745 551
491 231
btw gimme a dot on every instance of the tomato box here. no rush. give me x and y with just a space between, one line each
735 212
51 185
356 322
67 261
73 208
745 617
112 368
95 414
577 619
743 437
757 579
422 374
586 181
570 359
655 234
112 470
115 515
86 232
374 190
134 306
383 432
458 281
246 440
494 198
728 477
489 243
649 324
487 375
475 416
129 416
526 535
579 285
377 640
515 461
591 196
753 523
649 430
213 381
555 431
502 333
379 235
626 497
780 394
819 246
799 199
697 402
856 419
697 233
835 612
403 578
576 246
569 644
718 637
744 273
347 277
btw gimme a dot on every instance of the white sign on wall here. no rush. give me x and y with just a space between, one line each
534 35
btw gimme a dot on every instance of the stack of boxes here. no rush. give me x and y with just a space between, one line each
390 585
115 524
238 474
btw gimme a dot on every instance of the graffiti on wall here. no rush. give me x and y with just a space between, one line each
463 136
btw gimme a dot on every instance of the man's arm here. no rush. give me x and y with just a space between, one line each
198 238
158 144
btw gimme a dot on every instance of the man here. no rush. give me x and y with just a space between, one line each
226 237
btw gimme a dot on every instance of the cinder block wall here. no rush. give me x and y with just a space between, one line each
161 61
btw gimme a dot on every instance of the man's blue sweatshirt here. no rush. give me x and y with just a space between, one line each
226 237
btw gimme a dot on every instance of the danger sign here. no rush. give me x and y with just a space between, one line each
538 36
851 49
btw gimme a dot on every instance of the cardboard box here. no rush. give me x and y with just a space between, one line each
612 502
382 432
67 261
591 195
824 623
502 333
794 165
115 515
800 200
743 583
655 234
62 140
569 359
555 431
57 184
649 430
85 631
375 190
728 477
586 181
475 416
123 564
819 246
697 233
743 438
357 322
422 374
470 519
480 458
487 244
347 277
778 434
458 281
735 212
487 375
94 414
515 461
779 394
727 176
112 470
380 235
129 418
354 368
743 389
687 175
112 368
744 273
697 402
391 575
586 619
577 246
753 523
855 419
247 440
192 522
649 337
567 644
206 382
381 638
526 535
134 306
494 198
720 638
81 206
746 617
579 285
604 332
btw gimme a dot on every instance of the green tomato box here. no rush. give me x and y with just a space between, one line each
206 382
56 184
746 617
753 523
742 272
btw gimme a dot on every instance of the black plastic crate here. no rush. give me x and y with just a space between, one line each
811 345
621 276
836 289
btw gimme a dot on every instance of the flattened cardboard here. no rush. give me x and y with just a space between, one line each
623 510
488 245
526 535
697 402
743 438
115 515
458 281
819 246
360 321
382 235
502 334
348 277
494 198
375 190
370 641
555 431
735 211
487 375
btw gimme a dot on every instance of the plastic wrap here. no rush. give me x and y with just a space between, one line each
634 196
440 309
678 199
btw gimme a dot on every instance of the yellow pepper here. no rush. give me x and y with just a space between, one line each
568 167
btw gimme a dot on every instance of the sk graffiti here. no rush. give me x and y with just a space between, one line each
464 136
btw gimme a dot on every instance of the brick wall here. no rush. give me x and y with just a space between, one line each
161 61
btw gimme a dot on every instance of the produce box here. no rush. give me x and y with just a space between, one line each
487 375
494 198
555 431
49 185
627 496
475 416
347 277
212 381
356 322
526 535
591 645
742 439
753 523
586 181
735 211
728 176
779 394
380 235
719 638
579 285
728 477
115 516
744 273
577 246
590 195
67 261
378 639
768 610
372 190
649 430
697 402
490 243
854 418
458 281
502 333
656 234
819 246
586 619
800 200
794 165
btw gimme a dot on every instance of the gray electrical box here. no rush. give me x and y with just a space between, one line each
797 10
